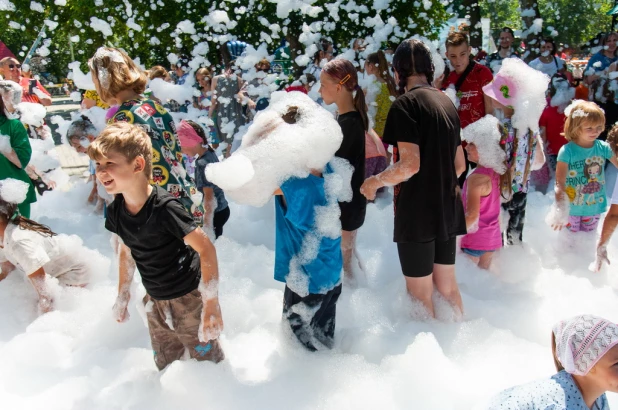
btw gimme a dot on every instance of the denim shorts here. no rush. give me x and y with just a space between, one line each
474 252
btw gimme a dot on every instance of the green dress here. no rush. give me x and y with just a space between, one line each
168 168
15 130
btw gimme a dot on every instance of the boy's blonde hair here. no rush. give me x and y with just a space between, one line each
582 112
126 139
116 72
612 139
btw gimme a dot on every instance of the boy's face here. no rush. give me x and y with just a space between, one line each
117 174
459 57
81 144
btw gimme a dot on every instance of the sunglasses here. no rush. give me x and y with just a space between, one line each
12 66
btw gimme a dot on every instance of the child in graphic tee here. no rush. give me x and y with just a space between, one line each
580 175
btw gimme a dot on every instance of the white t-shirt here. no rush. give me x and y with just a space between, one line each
550 68
29 251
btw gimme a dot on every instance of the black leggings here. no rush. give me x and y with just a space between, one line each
219 219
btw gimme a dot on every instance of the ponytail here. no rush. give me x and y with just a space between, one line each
379 60
361 106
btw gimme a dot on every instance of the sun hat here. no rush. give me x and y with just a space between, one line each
502 89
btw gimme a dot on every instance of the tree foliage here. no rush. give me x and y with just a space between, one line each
152 29
571 22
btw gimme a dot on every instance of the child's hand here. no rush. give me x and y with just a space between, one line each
121 313
211 325
557 226
46 304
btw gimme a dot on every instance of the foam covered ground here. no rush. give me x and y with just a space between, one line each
78 357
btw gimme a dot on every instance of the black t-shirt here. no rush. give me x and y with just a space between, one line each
428 206
353 149
169 268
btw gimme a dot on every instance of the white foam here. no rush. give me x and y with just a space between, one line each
13 190
485 135
274 155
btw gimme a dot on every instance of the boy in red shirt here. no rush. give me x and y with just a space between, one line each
468 78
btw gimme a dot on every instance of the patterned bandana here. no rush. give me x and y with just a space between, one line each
581 341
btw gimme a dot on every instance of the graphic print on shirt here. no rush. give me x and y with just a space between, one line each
168 163
583 181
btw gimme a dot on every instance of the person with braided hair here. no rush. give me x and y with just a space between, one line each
339 85
423 124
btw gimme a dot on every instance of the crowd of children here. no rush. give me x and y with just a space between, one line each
165 214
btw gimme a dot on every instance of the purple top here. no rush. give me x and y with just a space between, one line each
488 237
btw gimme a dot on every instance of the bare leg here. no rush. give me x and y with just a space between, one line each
485 260
446 284
421 289
474 259
348 244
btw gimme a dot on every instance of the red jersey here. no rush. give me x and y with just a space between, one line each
553 121
471 103
26 96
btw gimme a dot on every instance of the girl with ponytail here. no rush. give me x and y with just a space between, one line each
34 248
339 85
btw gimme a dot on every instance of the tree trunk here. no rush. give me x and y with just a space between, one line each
532 39
475 30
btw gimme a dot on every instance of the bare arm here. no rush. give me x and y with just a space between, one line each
477 186
46 302
609 226
489 109
88 103
460 161
408 166
126 270
212 323
210 204
561 172
12 156
5 268
543 132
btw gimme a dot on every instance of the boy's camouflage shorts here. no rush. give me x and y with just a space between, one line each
174 326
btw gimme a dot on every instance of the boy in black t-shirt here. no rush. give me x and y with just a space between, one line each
161 239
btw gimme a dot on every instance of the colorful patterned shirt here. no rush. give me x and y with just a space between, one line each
168 168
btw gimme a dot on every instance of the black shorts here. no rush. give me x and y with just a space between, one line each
417 258
352 215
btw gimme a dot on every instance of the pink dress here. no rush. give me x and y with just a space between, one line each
488 236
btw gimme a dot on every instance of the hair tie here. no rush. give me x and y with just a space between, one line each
345 79
14 216
357 87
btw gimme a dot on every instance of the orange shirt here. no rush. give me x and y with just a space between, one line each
26 96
